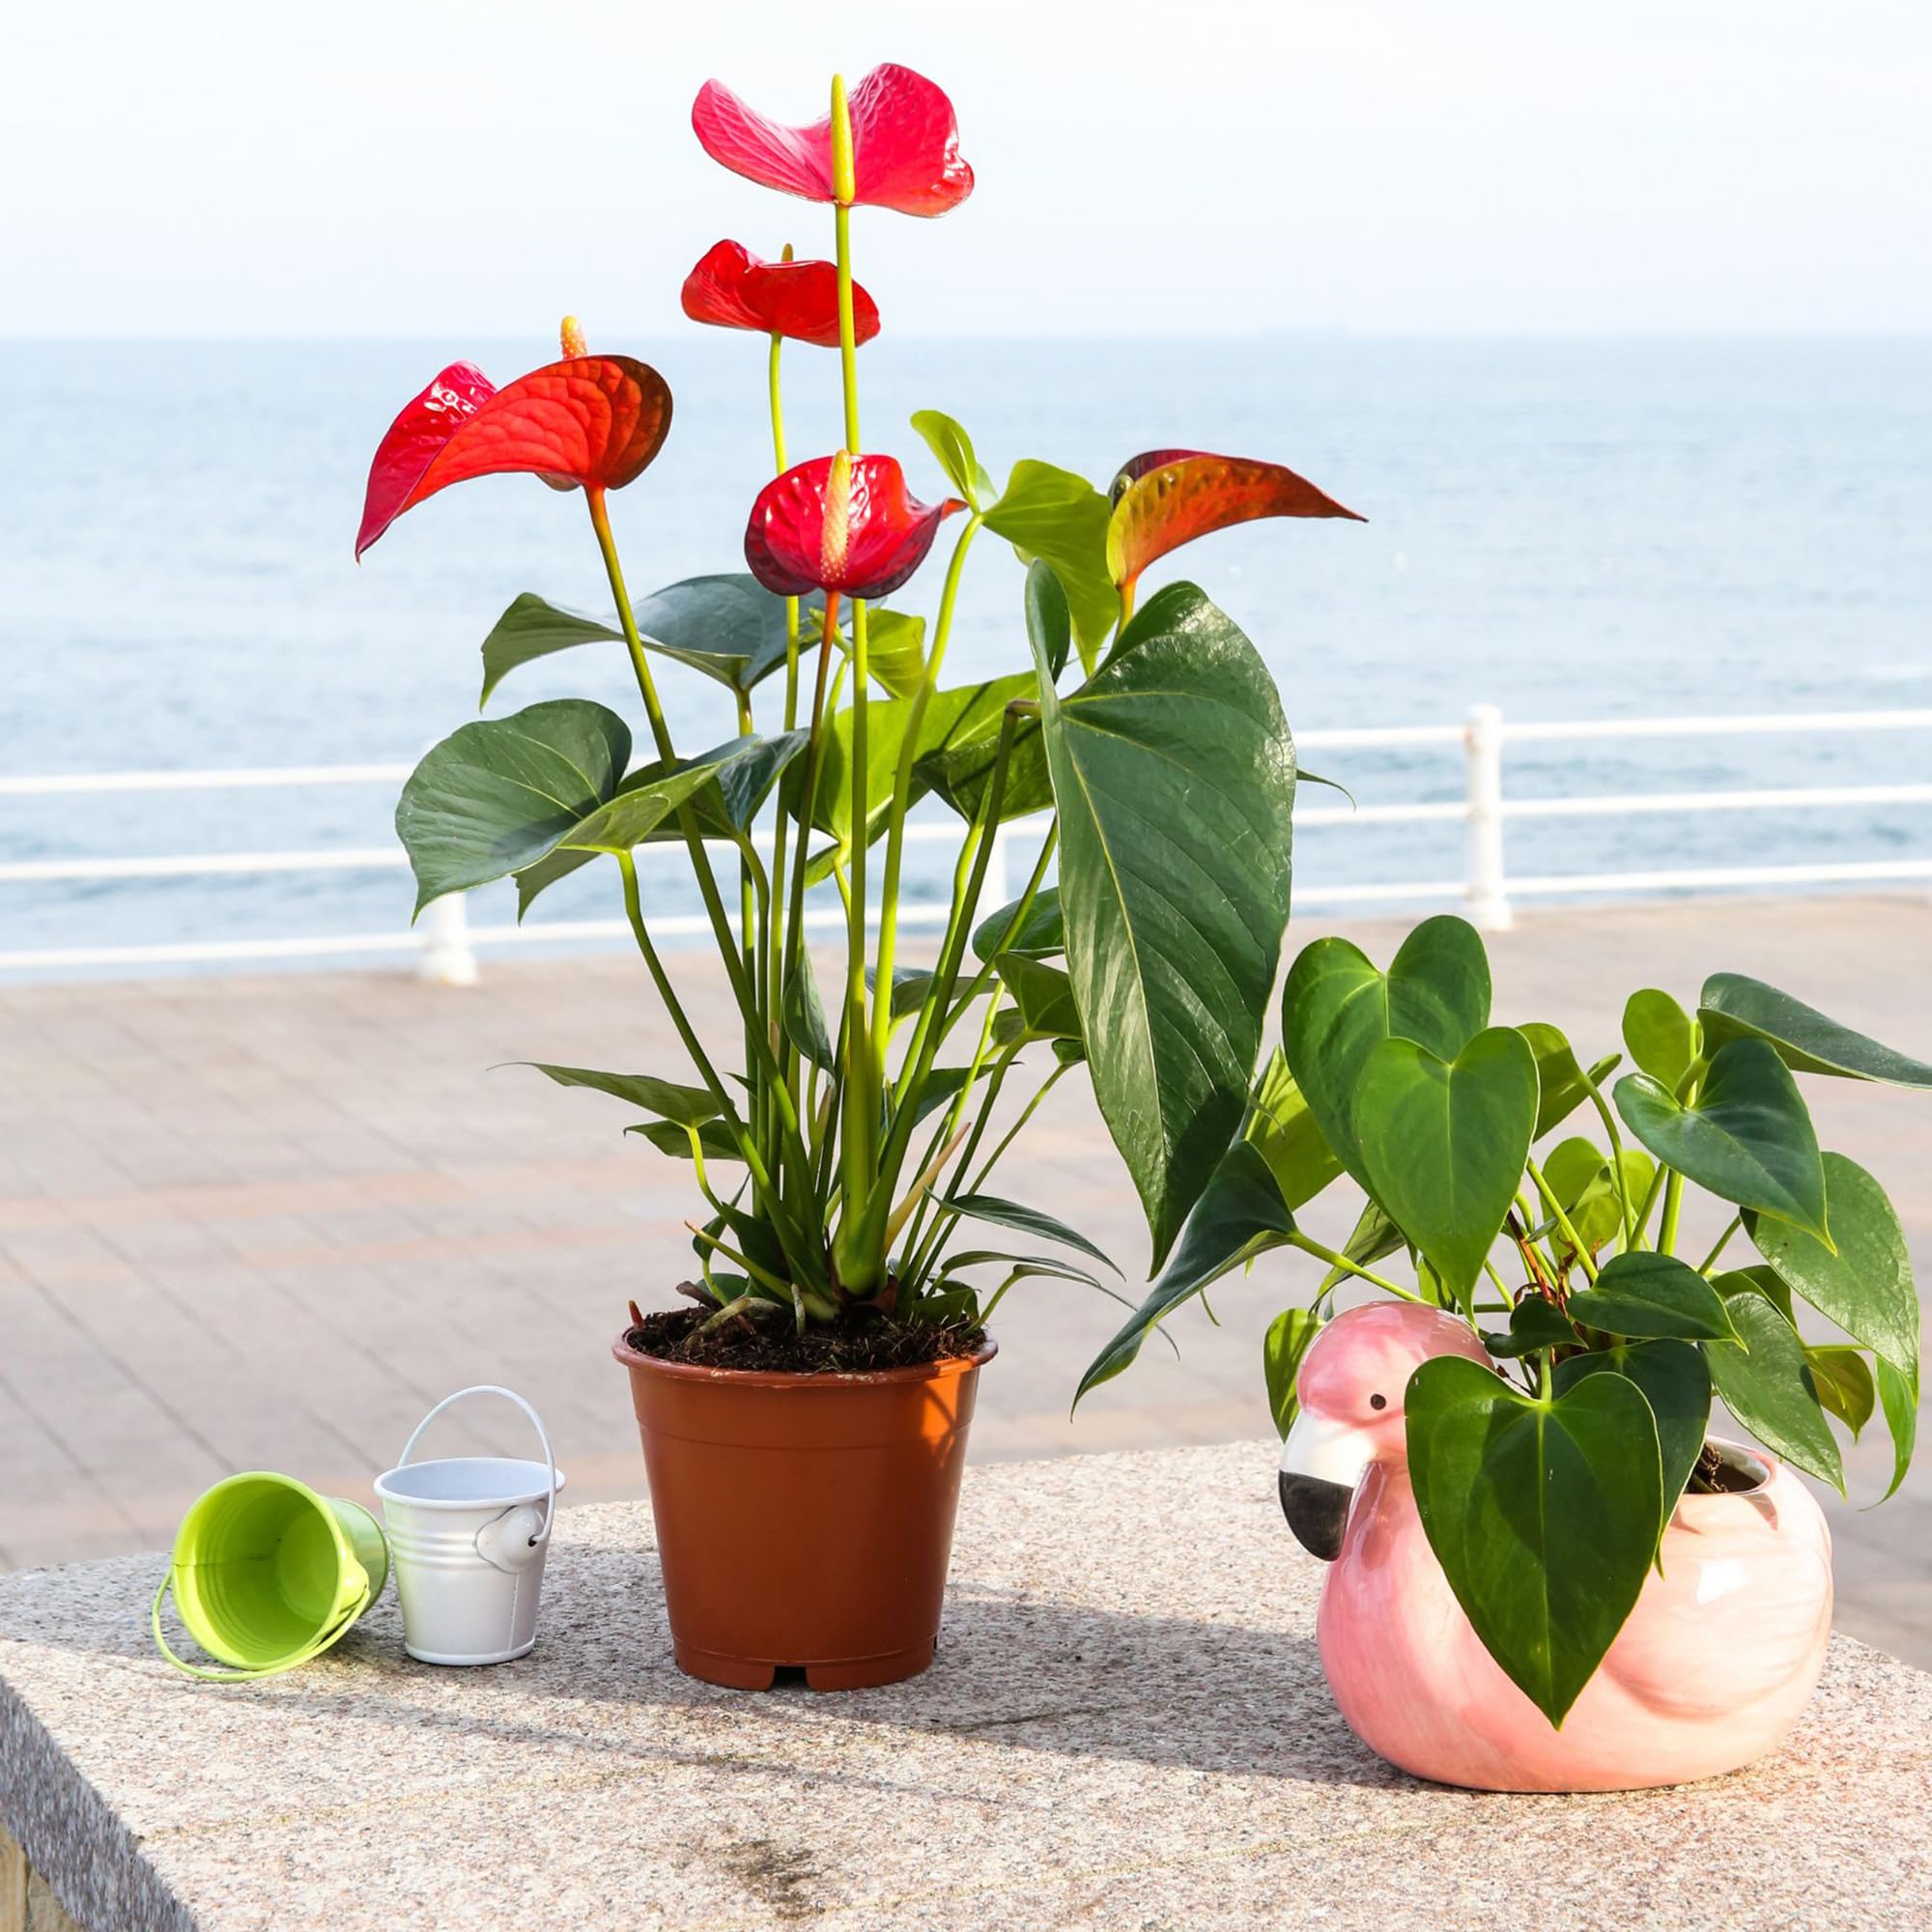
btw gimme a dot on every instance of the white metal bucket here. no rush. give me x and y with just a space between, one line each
469 1536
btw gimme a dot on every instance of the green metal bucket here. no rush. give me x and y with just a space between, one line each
266 1575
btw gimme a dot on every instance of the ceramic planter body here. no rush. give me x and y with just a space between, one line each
1711 1671
1712 1667
803 1519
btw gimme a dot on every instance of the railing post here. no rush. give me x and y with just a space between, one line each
1485 897
447 956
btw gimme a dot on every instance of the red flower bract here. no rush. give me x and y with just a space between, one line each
595 421
905 145
841 523
733 288
1167 498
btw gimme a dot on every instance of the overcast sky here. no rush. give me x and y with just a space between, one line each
417 168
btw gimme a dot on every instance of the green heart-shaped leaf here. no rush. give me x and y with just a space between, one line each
1676 1384
496 796
1661 1036
1899 1400
804 1014
1544 1514
954 449
1048 620
1746 1137
1650 1295
1173 774
1044 1004
1770 1389
1240 1215
1734 1007
531 629
1336 1008
1562 1086
1534 1323
1844 1384
1866 1288
1445 1143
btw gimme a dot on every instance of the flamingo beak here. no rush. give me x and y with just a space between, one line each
1322 1461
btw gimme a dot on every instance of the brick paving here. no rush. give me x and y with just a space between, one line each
266 1221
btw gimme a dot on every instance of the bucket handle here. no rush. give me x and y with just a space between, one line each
247 1673
542 1534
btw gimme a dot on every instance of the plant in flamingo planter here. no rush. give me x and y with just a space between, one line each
1547 1573
803 1413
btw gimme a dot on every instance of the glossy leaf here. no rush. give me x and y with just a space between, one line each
1866 1288
733 288
905 145
648 801
1240 1215
1770 1389
1544 1516
1652 1296
1661 1036
1445 1143
725 805
1023 1267
954 449
1677 1385
1747 1138
1534 1323
668 1138
1373 1239
1023 1221
1898 1398
1061 520
595 421
496 795
1284 1131
530 629
1336 1007
1043 1004
804 1014
664 1100
1844 1384
895 651
726 625
1040 936
1561 1085
1734 1007
841 523
1173 775
1580 1176
1168 498
1049 621
960 774
1287 1341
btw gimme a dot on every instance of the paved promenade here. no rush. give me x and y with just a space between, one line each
266 1221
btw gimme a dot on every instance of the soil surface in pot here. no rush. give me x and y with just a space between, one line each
863 1342
1718 1474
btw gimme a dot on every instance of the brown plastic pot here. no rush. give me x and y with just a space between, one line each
804 1520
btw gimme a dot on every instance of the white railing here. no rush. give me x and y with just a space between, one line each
445 942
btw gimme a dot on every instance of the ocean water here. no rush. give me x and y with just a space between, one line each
1565 529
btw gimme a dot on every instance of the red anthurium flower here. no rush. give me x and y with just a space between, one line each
595 421
1167 498
905 145
733 289
841 523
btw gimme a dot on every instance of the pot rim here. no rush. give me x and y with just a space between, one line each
947 1367
1749 1453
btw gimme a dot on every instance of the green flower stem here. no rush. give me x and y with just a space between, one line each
1609 1121
1723 1242
1673 1188
1656 1187
1570 1234
950 1125
800 1253
928 1251
848 335
781 830
863 1069
889 890
1309 1245
863 1222
742 988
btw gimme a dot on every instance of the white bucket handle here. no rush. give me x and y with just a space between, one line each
542 1536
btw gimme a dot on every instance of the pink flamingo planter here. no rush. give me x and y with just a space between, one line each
1711 1671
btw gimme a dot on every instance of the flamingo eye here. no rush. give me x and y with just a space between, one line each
1378 1402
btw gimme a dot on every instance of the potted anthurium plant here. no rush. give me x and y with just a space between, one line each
1547 1572
803 1413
